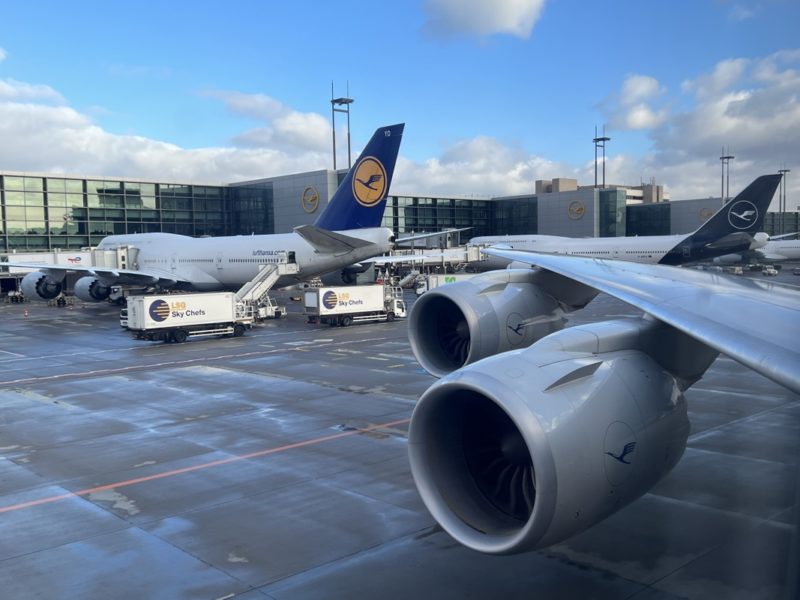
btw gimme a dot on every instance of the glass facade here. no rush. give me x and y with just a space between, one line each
517 216
39 213
43 213
406 215
648 219
612 217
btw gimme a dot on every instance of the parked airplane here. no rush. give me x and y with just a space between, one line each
346 233
536 432
731 229
773 250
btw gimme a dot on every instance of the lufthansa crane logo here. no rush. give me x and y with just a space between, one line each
742 215
576 210
159 311
310 199
329 300
369 182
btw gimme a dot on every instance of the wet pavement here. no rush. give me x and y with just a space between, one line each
274 466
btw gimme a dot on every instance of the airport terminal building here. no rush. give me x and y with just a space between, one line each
41 212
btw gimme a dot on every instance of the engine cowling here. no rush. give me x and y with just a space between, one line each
460 323
40 285
525 449
91 289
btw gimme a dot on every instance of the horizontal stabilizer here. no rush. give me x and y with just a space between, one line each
732 240
328 242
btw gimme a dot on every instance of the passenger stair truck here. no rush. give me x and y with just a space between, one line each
256 291
354 304
176 317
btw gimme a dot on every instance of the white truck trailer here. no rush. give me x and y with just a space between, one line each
354 304
436 280
176 317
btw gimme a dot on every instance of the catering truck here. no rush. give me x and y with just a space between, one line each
176 317
354 304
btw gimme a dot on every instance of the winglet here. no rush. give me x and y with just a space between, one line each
361 198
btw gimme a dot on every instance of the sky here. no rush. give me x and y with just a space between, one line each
495 94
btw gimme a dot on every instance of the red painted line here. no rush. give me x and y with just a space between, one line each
214 463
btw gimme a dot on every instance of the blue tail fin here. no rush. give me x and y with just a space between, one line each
744 214
361 198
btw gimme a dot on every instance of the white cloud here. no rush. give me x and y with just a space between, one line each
284 126
749 106
59 139
19 91
482 167
724 76
631 109
482 17
638 88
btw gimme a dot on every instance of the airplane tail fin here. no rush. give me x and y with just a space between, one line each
742 215
361 198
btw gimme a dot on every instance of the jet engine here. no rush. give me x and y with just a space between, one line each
40 285
466 321
91 289
525 449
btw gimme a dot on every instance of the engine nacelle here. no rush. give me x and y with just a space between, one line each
525 449
39 286
91 289
463 322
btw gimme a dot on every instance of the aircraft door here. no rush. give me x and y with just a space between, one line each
173 262
218 261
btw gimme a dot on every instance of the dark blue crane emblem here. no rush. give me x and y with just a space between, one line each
629 447
374 178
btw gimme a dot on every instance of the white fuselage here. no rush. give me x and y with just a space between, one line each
229 262
782 249
644 249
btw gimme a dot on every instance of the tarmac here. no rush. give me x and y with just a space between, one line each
274 466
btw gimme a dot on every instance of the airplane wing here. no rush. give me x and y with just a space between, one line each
754 322
110 276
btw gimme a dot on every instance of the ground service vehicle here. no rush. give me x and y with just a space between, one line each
354 304
176 317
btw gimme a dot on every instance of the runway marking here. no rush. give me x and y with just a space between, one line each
176 363
200 467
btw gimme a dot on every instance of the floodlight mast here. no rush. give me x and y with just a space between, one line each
345 101
600 142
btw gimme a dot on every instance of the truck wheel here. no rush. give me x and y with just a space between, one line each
347 320
238 330
390 317
179 336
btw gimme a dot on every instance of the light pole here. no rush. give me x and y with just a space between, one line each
725 182
782 195
600 142
346 102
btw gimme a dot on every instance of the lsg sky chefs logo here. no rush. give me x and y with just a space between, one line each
329 300
159 311
369 182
